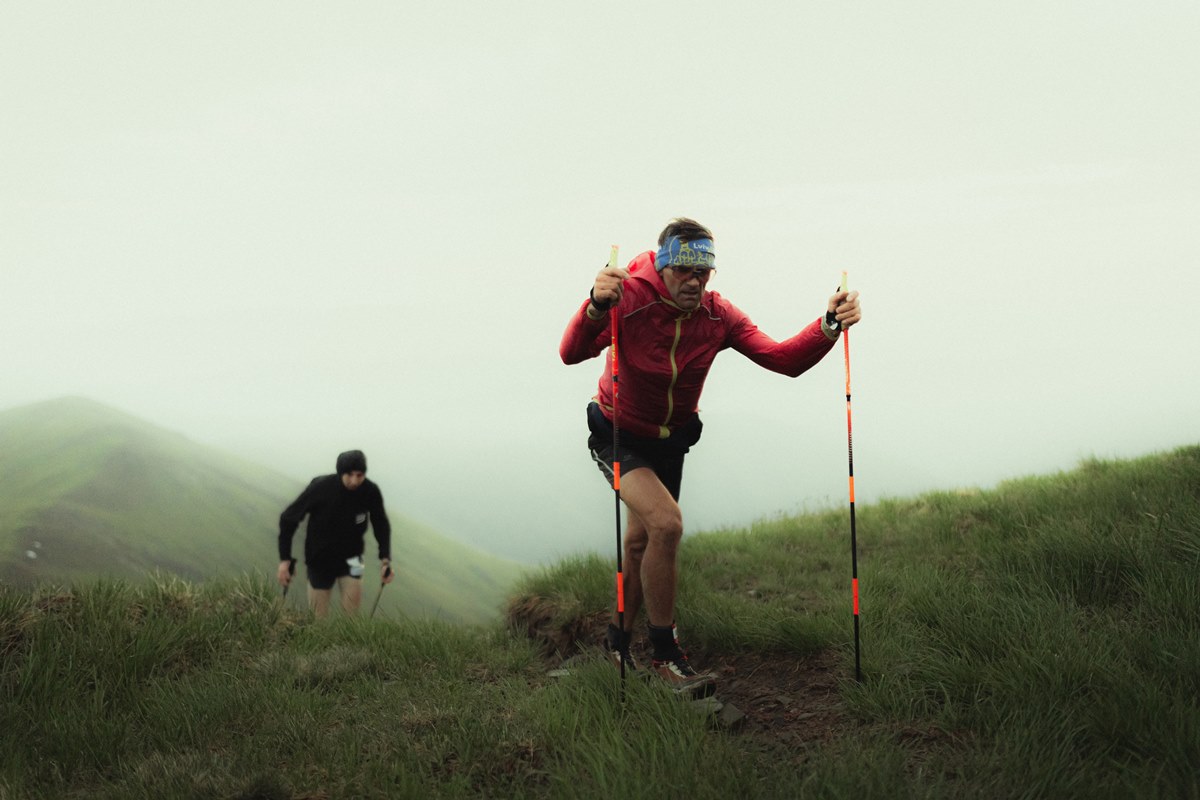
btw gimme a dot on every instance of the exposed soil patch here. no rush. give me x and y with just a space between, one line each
794 700
790 702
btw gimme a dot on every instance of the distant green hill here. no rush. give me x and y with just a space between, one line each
88 491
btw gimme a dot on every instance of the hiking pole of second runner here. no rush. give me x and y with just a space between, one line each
614 318
386 574
853 531
291 572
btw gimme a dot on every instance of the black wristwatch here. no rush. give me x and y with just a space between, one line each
831 321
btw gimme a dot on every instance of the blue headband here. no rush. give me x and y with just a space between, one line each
677 253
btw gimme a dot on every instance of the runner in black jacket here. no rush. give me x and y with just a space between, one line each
338 508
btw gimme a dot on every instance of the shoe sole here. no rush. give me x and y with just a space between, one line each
696 689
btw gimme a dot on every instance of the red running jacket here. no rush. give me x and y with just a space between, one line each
666 352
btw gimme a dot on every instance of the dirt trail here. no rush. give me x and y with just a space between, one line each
789 702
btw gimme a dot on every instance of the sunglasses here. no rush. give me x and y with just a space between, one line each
686 273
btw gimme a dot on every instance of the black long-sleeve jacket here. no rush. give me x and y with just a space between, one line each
337 521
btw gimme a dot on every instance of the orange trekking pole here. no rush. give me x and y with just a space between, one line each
613 320
853 532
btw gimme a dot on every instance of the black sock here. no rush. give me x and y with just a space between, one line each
666 646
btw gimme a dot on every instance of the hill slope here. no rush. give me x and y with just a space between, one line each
1041 639
89 491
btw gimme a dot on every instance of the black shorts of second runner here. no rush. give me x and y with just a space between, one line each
664 456
325 574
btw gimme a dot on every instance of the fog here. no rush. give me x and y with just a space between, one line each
291 229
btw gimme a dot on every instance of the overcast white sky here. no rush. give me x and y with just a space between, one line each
288 229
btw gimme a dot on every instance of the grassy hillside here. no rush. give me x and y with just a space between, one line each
93 491
87 491
435 577
1038 640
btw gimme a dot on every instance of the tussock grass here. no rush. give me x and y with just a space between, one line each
1041 639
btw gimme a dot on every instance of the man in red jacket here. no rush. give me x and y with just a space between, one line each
670 330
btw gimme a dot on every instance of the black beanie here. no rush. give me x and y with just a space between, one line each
351 461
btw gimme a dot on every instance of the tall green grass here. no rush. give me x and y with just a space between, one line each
169 690
1041 639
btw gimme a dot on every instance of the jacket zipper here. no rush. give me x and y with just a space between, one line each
674 378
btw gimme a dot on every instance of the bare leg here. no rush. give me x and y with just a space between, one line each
351 591
318 600
651 547
635 548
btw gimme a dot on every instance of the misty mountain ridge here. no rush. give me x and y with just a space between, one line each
88 491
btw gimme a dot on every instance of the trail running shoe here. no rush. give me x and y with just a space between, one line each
616 646
684 680
615 656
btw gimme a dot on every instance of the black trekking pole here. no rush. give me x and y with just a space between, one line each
613 319
853 532
387 573
291 572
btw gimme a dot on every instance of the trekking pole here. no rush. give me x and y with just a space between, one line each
613 319
374 606
291 571
853 532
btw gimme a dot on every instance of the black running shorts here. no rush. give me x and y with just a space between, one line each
664 456
324 575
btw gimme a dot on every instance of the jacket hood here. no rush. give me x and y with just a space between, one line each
642 268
